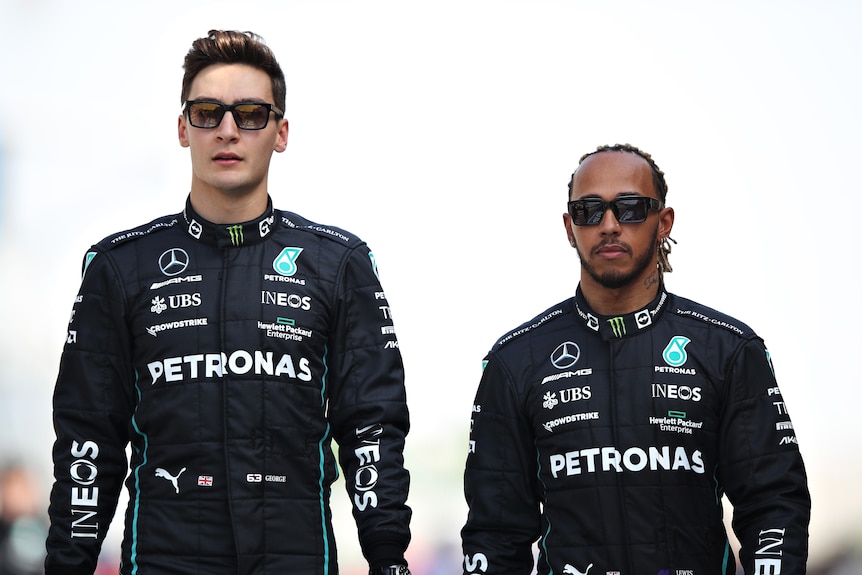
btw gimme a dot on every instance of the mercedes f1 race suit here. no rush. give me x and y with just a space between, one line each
611 441
229 357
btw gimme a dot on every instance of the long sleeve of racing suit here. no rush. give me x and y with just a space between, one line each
501 492
92 410
760 470
369 414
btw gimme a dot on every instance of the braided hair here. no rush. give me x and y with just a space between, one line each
659 184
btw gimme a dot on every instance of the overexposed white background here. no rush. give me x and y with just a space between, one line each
444 133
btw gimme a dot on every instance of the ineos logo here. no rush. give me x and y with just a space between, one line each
174 261
566 355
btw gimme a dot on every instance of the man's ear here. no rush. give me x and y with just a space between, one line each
183 131
281 138
665 223
570 233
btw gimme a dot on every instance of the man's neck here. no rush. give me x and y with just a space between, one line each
620 301
220 208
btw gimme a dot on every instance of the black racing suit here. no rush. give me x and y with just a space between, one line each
611 441
229 357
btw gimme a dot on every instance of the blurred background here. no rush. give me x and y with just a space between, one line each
444 134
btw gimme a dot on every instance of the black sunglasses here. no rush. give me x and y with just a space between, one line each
626 209
207 114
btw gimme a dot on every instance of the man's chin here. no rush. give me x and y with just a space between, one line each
614 280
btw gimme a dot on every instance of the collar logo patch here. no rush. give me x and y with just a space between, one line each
618 324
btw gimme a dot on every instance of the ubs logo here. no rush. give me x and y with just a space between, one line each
174 261
566 355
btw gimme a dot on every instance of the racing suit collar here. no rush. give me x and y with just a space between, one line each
616 327
230 235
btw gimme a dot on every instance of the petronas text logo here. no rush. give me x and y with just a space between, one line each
618 324
236 236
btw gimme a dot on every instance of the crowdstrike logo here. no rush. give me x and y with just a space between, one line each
174 261
236 235
285 263
566 355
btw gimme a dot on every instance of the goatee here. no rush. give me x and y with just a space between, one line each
616 279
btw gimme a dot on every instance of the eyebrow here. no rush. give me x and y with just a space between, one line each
237 101
619 195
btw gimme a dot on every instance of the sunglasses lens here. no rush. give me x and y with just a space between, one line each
630 210
251 116
587 212
205 114
627 210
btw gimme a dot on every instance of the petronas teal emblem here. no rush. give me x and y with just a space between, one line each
285 263
674 354
87 259
374 265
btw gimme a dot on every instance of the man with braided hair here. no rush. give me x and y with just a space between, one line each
229 345
610 426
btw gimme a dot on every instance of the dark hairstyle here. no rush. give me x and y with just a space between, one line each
232 47
657 175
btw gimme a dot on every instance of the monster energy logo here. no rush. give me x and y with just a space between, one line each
618 324
236 237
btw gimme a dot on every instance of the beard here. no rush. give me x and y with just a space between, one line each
616 279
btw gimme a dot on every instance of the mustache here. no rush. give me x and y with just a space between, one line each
611 242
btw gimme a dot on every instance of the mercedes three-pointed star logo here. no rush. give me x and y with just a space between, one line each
566 355
174 261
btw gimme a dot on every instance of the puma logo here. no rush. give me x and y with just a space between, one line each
173 479
568 569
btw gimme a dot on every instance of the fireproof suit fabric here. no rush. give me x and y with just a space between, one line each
611 440
229 357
